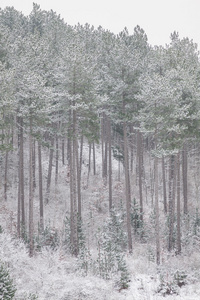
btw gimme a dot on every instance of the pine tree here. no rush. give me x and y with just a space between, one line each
7 288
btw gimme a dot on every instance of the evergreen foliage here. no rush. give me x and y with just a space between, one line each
7 288
111 246
136 220
62 84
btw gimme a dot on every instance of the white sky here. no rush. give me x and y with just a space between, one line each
159 18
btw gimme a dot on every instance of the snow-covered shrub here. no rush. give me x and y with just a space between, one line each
170 283
29 297
48 238
84 256
180 278
111 245
67 233
7 288
136 221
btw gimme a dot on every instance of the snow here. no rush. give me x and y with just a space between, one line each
54 274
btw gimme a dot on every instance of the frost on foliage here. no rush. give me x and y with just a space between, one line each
7 288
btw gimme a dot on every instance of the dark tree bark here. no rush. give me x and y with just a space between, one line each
110 164
140 166
6 175
63 151
94 159
33 164
172 183
89 162
40 185
127 181
49 170
178 242
164 185
185 181
157 214
78 169
21 176
56 160
81 154
31 229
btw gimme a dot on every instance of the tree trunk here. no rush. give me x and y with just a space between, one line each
94 159
127 184
110 164
164 185
74 171
63 151
56 158
19 198
157 213
171 201
78 179
21 178
178 207
140 173
81 154
31 243
40 184
49 170
132 148
102 144
185 187
6 175
33 164
89 163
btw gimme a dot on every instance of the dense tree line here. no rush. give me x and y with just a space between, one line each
63 86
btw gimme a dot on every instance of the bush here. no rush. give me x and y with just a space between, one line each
169 284
7 288
48 238
112 242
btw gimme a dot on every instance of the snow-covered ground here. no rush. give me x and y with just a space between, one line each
54 275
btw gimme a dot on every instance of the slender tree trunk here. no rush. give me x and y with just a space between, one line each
110 164
33 165
19 198
89 163
94 159
178 207
71 194
81 153
132 148
40 185
164 185
102 144
63 151
127 184
74 170
106 150
31 243
157 214
185 183
56 158
140 174
21 177
6 175
49 170
78 180
157 227
171 201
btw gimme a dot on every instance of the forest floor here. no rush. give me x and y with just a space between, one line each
54 275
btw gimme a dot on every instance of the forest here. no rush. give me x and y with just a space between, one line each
99 162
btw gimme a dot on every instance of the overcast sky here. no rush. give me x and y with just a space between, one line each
159 18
